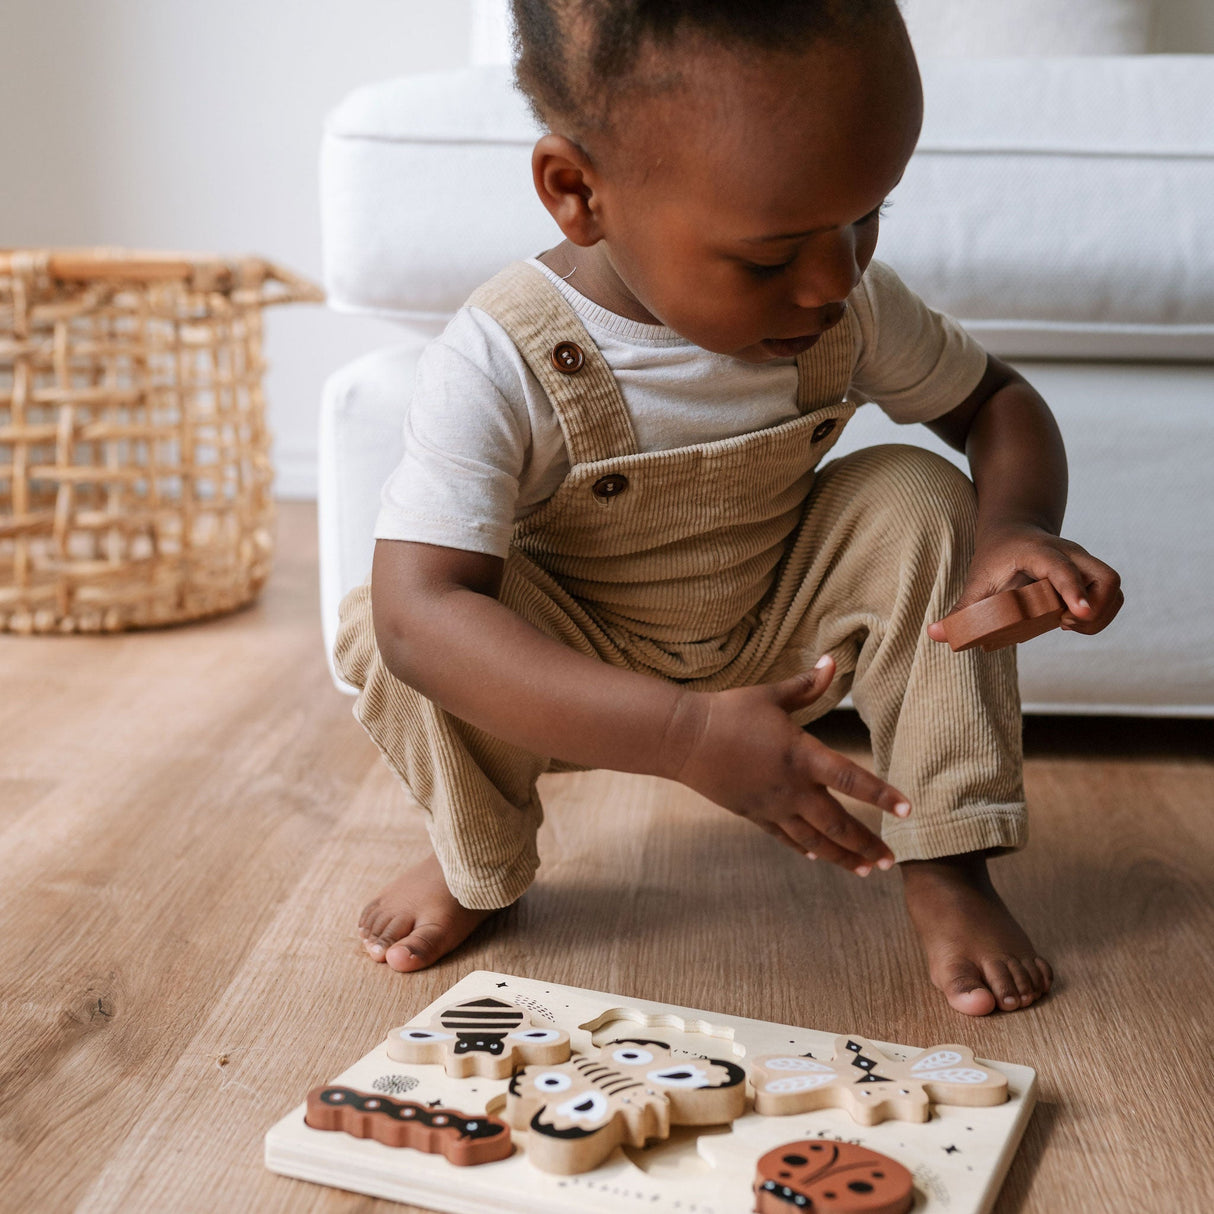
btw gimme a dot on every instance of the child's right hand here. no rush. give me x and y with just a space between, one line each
743 751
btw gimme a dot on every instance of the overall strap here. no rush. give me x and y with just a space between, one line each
563 357
824 371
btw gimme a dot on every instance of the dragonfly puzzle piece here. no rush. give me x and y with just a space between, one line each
630 1091
872 1087
482 1036
1005 619
817 1175
461 1138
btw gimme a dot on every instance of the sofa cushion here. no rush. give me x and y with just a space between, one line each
1059 207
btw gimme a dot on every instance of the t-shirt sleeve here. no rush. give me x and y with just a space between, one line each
914 362
465 445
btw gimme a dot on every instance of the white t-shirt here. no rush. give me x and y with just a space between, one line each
483 446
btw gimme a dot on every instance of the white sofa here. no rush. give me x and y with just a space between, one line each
1062 208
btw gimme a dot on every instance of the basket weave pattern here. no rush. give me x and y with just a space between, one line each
135 465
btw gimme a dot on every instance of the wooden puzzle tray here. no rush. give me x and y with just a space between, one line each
956 1158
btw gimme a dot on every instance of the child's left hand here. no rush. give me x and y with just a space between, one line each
1016 555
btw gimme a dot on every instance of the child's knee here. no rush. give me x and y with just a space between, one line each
917 491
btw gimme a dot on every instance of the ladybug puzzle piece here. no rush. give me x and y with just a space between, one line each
630 1091
484 1036
461 1138
1005 619
815 1175
872 1087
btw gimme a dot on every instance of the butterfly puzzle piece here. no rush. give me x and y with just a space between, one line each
483 1036
872 1087
815 1175
629 1091
461 1138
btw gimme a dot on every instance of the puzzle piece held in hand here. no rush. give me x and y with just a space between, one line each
484 1036
1006 618
629 1091
872 1087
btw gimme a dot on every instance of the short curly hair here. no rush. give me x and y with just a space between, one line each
574 58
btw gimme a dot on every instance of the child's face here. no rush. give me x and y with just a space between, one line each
749 208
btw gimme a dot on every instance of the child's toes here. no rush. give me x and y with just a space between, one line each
966 989
1026 980
424 945
1047 974
383 932
1003 985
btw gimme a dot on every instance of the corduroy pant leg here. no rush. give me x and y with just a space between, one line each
478 792
893 533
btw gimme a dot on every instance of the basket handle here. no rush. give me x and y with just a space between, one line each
295 288
208 273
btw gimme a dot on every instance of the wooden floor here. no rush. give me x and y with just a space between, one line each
191 819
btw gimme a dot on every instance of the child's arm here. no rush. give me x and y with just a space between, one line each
1019 469
441 629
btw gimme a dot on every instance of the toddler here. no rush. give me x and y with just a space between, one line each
612 542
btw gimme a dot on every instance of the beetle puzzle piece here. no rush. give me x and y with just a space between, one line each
462 1139
815 1175
631 1091
872 1087
1005 619
483 1036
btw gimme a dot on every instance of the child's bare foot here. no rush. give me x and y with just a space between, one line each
416 920
977 954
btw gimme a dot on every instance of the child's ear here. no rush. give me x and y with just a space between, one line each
564 179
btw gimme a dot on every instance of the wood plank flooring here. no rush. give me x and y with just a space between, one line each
190 820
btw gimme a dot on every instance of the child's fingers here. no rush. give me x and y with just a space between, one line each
1102 593
803 689
832 769
851 845
822 826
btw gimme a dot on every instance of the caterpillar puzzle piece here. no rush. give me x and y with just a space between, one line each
461 1139
872 1087
1006 618
630 1091
483 1036
816 1175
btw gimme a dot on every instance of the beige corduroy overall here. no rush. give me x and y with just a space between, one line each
719 565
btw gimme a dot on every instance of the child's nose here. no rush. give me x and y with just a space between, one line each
828 272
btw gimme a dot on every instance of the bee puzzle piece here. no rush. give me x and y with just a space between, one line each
1005 619
816 1175
483 1036
461 1139
628 1092
872 1087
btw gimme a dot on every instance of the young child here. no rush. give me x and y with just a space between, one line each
609 543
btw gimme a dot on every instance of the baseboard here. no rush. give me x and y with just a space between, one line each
295 477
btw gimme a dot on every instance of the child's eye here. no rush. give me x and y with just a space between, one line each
759 270
877 212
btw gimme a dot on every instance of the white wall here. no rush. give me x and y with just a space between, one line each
195 124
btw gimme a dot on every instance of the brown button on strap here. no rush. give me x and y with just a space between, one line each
822 429
567 356
609 486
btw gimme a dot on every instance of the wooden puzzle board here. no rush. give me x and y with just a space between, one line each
958 1158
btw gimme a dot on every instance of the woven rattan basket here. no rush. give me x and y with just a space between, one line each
134 454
